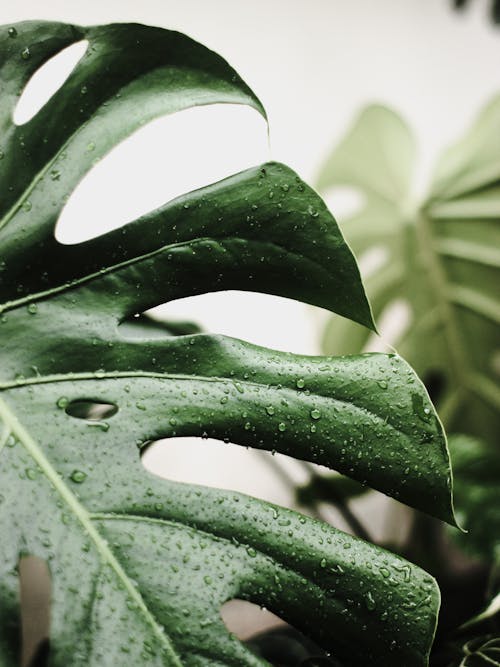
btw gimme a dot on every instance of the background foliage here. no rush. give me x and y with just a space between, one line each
435 266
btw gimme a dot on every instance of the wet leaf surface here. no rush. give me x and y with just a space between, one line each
141 566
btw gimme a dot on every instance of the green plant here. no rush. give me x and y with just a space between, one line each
140 566
439 260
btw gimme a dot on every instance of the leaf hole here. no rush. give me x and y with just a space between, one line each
91 410
344 201
262 319
244 619
167 157
35 594
46 81
270 637
217 464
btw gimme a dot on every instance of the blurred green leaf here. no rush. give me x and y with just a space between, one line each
476 469
433 265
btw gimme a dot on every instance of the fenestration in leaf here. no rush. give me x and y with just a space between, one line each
130 553
141 566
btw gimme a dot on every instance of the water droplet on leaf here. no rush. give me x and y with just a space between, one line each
78 476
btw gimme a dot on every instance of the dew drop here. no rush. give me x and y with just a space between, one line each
370 601
315 413
78 476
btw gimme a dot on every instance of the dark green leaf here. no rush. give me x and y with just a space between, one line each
141 566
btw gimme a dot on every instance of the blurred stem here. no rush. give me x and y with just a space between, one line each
357 528
352 520
342 506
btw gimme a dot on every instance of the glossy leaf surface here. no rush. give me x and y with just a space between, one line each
141 566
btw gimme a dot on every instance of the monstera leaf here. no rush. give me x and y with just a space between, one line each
141 566
440 259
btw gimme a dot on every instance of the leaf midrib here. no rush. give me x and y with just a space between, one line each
66 286
37 296
13 426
